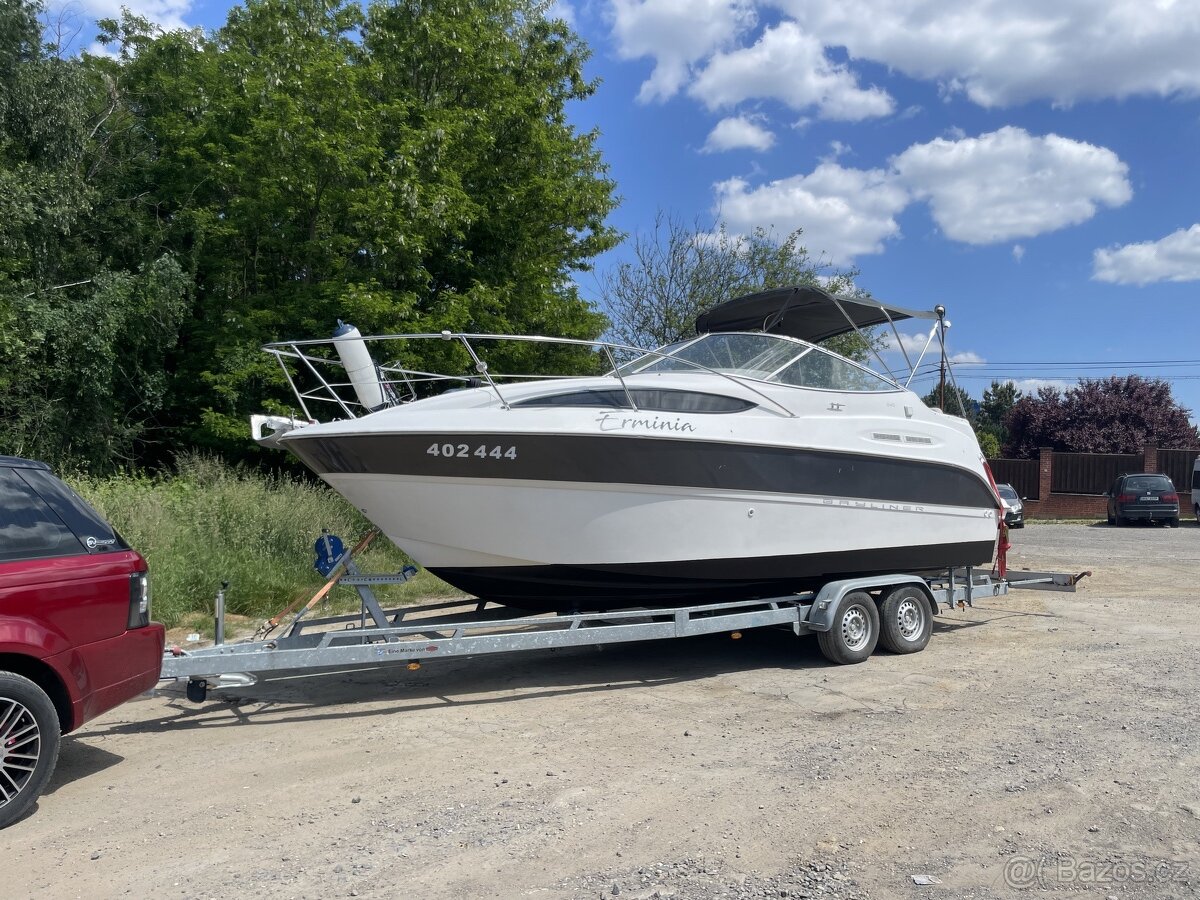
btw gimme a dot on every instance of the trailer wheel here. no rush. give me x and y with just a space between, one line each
29 734
905 620
854 631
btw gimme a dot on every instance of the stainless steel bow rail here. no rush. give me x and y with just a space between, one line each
839 613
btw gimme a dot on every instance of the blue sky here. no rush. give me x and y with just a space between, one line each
1032 166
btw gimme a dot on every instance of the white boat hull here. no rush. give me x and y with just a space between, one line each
553 508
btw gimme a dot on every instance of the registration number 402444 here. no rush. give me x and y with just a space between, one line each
465 451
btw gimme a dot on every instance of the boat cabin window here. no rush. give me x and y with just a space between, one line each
763 357
819 369
748 355
644 398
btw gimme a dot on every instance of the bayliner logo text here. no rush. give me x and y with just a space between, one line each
613 422
871 504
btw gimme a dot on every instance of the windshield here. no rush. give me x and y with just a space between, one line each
1148 483
1007 492
763 357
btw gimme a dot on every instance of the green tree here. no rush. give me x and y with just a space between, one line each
957 402
998 399
87 310
679 270
405 167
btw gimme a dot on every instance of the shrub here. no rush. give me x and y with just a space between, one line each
210 522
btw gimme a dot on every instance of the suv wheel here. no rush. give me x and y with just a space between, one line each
29 733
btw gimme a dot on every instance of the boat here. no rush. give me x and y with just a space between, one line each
743 461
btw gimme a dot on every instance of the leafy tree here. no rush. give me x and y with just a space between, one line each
678 271
407 167
1119 414
997 401
988 444
87 310
958 402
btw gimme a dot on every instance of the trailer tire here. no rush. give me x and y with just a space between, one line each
854 631
30 734
905 620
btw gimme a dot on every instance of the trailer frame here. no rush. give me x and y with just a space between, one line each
416 634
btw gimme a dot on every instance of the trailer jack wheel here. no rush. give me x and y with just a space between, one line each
197 690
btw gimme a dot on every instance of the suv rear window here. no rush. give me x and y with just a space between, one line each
97 535
1148 483
29 528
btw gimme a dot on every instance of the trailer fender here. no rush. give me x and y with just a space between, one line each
829 598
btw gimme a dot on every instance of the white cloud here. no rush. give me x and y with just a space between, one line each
967 357
1173 258
913 344
563 9
1030 385
1010 184
108 50
1018 252
739 132
789 65
168 14
1004 185
836 149
676 34
844 212
1007 52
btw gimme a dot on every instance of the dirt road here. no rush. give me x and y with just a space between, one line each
1041 741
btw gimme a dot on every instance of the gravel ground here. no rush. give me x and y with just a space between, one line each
1043 742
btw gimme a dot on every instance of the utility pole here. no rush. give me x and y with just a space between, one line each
941 312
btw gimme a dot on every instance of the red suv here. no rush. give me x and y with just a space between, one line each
75 632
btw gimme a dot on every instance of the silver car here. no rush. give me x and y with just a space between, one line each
1014 509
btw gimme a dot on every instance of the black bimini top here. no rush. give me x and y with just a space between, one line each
804 312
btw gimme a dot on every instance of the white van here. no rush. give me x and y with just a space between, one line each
1196 488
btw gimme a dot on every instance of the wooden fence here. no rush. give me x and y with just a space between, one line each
1177 464
1091 473
1072 485
1022 474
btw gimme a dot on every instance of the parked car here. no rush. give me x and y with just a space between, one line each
75 632
1014 509
1145 495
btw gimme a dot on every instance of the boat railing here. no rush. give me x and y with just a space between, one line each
314 362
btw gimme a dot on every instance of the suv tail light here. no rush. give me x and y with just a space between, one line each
1169 498
139 600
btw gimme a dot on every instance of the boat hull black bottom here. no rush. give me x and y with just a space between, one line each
562 588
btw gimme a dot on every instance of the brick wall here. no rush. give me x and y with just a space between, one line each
1085 506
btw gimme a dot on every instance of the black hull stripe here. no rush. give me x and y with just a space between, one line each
603 459
697 581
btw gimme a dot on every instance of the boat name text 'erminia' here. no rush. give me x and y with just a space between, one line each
613 422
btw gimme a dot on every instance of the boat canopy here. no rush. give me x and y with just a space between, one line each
804 312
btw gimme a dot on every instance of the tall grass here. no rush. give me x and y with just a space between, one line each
210 522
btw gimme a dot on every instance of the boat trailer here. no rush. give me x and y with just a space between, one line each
845 615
